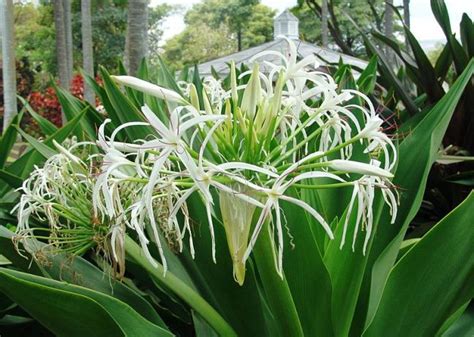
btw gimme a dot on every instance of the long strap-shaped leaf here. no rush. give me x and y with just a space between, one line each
431 281
69 310
417 153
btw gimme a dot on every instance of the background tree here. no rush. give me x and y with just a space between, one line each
367 14
198 44
87 53
8 62
224 26
236 13
137 39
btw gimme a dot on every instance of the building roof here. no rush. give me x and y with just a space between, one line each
286 15
304 49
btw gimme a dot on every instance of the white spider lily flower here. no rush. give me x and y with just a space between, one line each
150 88
252 94
379 140
350 166
60 194
250 144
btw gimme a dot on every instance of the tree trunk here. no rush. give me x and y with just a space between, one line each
61 52
239 39
324 23
406 12
137 37
389 18
68 34
406 19
389 26
87 53
9 66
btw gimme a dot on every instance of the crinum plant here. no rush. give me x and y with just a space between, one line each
243 148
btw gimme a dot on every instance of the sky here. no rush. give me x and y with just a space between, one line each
423 23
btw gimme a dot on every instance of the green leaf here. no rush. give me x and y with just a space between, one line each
428 74
368 78
68 310
275 287
306 274
79 271
72 106
463 325
441 14
122 110
467 34
443 63
419 297
23 166
8 249
241 306
45 125
43 149
12 180
8 139
417 153
386 69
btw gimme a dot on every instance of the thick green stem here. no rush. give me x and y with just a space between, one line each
276 288
173 283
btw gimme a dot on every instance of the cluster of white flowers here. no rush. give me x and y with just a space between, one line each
249 144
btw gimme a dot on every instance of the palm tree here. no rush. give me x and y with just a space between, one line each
87 53
68 33
61 51
8 57
136 41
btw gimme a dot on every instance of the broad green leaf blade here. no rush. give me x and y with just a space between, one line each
441 14
417 153
463 326
72 106
43 149
23 166
69 310
467 34
78 271
428 75
8 139
443 63
45 125
386 70
307 276
12 180
368 78
275 287
123 109
8 250
215 280
431 281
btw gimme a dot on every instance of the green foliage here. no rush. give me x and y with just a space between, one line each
35 36
413 288
368 15
420 82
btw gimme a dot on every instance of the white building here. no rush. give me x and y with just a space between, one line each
285 24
